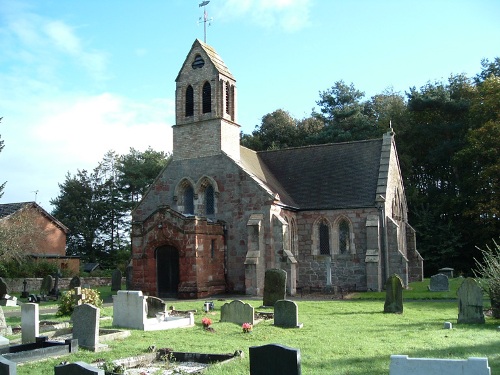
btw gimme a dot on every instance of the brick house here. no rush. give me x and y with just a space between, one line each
219 215
50 245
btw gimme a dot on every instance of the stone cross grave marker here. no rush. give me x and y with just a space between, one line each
286 314
116 280
86 326
274 286
75 282
30 322
439 283
394 295
274 359
470 302
78 297
77 368
7 367
47 285
237 312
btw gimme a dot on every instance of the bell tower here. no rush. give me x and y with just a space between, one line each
205 107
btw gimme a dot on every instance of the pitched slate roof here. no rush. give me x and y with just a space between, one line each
10 208
331 176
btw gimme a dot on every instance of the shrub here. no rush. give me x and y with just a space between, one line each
67 301
489 271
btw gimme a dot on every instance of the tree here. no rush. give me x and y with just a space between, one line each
488 69
2 185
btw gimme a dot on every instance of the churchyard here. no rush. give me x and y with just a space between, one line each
351 336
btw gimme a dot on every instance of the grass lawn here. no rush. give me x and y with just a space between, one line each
344 337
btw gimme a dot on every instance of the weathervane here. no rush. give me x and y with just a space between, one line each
205 19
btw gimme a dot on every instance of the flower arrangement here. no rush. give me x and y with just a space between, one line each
206 322
247 327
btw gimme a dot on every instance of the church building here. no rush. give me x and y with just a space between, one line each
219 215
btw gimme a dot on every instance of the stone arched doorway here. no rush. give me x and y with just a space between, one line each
167 271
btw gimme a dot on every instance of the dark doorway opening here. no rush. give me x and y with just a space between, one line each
167 271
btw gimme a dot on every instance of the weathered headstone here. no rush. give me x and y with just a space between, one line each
4 329
286 314
393 295
439 283
116 280
30 322
3 288
274 286
8 367
77 368
470 302
129 309
47 285
402 365
237 312
155 305
274 359
75 282
86 326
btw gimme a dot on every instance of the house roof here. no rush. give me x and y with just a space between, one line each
330 176
11 208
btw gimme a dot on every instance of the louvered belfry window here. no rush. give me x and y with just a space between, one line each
207 98
324 239
189 101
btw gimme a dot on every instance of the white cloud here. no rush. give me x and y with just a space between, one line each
290 15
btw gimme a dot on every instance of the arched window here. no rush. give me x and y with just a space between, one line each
207 98
344 237
209 200
189 101
324 238
189 200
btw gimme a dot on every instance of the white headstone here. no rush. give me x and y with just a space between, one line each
129 309
402 365
30 322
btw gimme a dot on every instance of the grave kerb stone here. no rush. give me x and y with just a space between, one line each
7 367
77 368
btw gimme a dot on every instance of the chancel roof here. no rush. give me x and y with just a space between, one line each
330 176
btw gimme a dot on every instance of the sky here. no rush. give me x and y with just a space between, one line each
81 78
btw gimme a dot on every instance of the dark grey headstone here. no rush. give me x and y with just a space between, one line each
7 367
75 282
274 286
128 276
3 288
77 368
237 312
273 359
116 280
86 325
154 305
393 295
47 285
286 314
439 283
470 302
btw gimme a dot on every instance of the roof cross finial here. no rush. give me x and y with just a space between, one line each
205 19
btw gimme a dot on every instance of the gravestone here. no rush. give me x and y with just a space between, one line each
439 283
274 286
237 312
3 288
470 302
25 293
394 295
86 326
286 314
402 365
4 342
155 305
273 359
129 309
447 271
8 367
4 328
78 297
30 322
75 282
116 280
77 368
47 285
55 289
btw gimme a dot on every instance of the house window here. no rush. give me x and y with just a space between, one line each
207 98
209 200
189 200
324 239
189 101
344 237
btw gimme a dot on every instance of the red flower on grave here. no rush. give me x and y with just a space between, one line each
206 322
247 327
